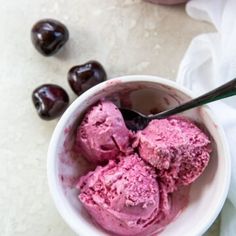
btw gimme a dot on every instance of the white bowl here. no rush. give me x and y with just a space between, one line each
207 194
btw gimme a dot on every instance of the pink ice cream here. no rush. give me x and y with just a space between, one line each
138 190
125 198
177 148
102 135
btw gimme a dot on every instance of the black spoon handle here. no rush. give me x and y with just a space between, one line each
224 91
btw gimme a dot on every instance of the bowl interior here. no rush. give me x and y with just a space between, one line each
148 95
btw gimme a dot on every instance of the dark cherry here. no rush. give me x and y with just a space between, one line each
83 77
50 101
48 36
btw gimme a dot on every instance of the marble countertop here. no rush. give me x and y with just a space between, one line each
127 36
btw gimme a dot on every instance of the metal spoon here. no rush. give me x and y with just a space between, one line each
137 121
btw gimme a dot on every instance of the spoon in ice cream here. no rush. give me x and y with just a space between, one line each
135 120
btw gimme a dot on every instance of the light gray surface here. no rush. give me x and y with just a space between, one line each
128 37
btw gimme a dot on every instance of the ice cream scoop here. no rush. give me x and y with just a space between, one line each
125 198
177 148
102 134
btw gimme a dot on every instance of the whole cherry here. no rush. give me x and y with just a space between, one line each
83 77
48 36
50 101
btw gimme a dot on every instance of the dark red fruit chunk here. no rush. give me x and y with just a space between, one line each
83 77
50 101
48 36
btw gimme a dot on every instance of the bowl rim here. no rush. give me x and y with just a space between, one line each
60 201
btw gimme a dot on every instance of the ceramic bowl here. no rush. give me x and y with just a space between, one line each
146 94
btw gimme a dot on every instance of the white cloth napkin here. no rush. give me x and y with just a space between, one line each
209 62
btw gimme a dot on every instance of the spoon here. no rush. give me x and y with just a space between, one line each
135 120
